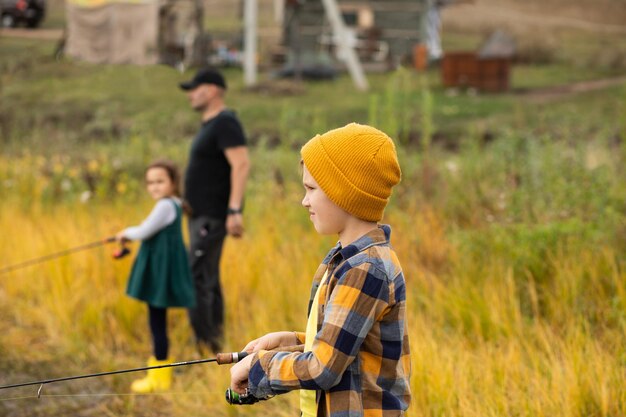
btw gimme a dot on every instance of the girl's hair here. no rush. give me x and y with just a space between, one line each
174 174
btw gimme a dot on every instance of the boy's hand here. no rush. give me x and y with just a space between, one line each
271 341
239 375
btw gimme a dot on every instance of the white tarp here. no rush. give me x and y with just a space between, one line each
115 33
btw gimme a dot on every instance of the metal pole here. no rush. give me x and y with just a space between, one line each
339 29
250 42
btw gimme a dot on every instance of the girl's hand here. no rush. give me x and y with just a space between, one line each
271 341
120 237
239 375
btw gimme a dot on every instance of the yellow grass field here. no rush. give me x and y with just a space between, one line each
476 350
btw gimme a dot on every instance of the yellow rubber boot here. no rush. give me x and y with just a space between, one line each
156 380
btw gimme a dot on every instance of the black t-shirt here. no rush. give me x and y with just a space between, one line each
207 179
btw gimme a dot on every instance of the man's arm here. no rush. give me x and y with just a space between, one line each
239 167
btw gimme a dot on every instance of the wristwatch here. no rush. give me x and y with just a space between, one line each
233 211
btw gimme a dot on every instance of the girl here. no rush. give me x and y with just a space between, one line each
160 275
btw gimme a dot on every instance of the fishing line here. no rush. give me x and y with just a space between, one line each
18 398
108 394
127 394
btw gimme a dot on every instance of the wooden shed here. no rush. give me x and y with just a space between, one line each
380 30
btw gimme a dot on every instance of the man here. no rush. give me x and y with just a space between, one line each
215 181
432 26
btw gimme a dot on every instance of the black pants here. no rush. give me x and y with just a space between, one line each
157 317
206 237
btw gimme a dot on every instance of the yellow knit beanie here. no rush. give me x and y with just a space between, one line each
356 166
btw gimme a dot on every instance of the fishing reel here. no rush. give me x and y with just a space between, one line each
120 252
247 398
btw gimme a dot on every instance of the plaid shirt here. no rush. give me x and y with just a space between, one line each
359 363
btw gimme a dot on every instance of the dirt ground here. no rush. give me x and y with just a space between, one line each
44 34
600 16
476 16
543 95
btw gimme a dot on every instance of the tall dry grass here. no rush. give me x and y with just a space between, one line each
485 339
511 251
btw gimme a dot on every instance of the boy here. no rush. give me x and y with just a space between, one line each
356 349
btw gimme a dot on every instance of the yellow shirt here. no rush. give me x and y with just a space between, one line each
307 396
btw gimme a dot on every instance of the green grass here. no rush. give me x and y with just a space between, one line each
89 103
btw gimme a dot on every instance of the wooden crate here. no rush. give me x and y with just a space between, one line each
459 69
465 69
493 74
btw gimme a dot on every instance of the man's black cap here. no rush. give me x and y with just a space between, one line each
205 76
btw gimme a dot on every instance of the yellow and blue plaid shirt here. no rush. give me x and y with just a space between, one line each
359 362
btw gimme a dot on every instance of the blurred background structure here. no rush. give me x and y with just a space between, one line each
135 31
297 38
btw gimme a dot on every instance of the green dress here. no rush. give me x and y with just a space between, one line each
160 275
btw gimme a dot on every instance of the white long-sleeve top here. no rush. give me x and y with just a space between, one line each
163 214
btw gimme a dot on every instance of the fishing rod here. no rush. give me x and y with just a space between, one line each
232 397
120 253
220 359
